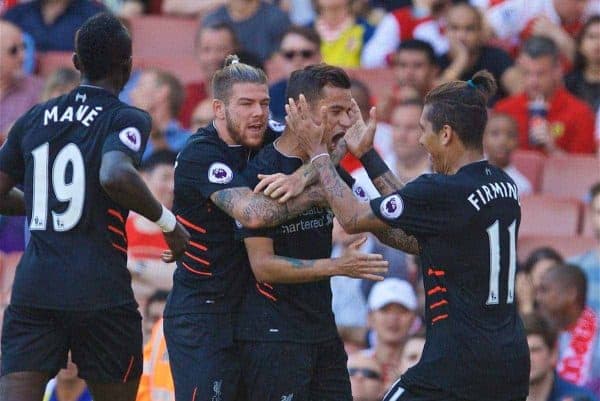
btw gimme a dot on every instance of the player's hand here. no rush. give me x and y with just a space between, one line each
360 136
356 264
280 186
177 241
308 132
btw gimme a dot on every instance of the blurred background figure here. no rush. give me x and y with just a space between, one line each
412 351
528 279
161 94
202 115
544 383
61 81
500 140
67 386
153 312
156 383
366 378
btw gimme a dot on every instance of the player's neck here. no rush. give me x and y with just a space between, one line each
104 84
463 158
540 391
289 146
412 167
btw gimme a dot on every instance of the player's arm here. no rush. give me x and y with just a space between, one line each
271 268
12 201
254 210
12 169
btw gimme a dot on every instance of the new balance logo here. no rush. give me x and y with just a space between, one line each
288 397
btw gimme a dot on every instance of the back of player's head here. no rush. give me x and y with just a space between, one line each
312 79
570 276
420 46
462 106
541 46
158 158
103 46
232 73
536 325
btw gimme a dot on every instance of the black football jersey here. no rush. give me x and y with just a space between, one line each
76 258
467 226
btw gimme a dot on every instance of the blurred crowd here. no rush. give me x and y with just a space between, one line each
545 54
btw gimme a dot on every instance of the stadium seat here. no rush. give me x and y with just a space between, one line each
567 246
162 36
547 215
570 176
531 165
379 80
183 67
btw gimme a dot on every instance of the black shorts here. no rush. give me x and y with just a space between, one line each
399 393
205 362
106 345
281 371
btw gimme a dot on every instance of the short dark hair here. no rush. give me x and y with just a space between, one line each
157 296
307 33
421 46
234 72
102 44
312 79
220 26
158 158
536 325
570 275
538 254
580 60
463 106
541 46
176 90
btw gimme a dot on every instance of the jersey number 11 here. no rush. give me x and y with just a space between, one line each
493 232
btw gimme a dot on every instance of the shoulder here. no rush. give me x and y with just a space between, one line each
204 142
574 104
126 115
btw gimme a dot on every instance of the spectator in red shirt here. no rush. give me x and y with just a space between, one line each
550 119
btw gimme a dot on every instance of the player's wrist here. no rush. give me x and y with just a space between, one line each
167 220
373 164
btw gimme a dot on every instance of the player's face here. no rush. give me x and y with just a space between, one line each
406 132
247 113
338 102
212 48
540 75
392 323
298 52
500 140
411 353
161 183
464 27
542 359
431 141
412 68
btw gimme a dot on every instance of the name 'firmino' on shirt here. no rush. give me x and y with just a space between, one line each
494 190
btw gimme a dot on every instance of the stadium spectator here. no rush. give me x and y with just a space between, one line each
396 27
412 351
63 80
561 299
299 48
211 46
153 310
415 70
18 92
500 139
544 383
67 386
202 115
392 305
52 24
366 378
550 119
584 79
343 36
161 94
528 278
468 51
514 21
590 260
156 383
258 25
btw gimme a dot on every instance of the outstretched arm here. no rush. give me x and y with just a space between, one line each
271 268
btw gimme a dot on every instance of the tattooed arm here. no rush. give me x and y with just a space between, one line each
256 210
271 268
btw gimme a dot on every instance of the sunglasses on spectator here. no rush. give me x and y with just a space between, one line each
14 49
290 54
364 372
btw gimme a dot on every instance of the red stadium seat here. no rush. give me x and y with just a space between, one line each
570 176
162 36
379 80
567 246
547 215
531 165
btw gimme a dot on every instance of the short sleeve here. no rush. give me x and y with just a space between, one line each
423 207
203 166
11 155
129 133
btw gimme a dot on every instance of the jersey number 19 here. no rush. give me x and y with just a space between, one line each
72 192
493 232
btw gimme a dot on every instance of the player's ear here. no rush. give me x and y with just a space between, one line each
218 109
445 134
76 62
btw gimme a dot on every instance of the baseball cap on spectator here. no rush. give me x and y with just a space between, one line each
392 291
